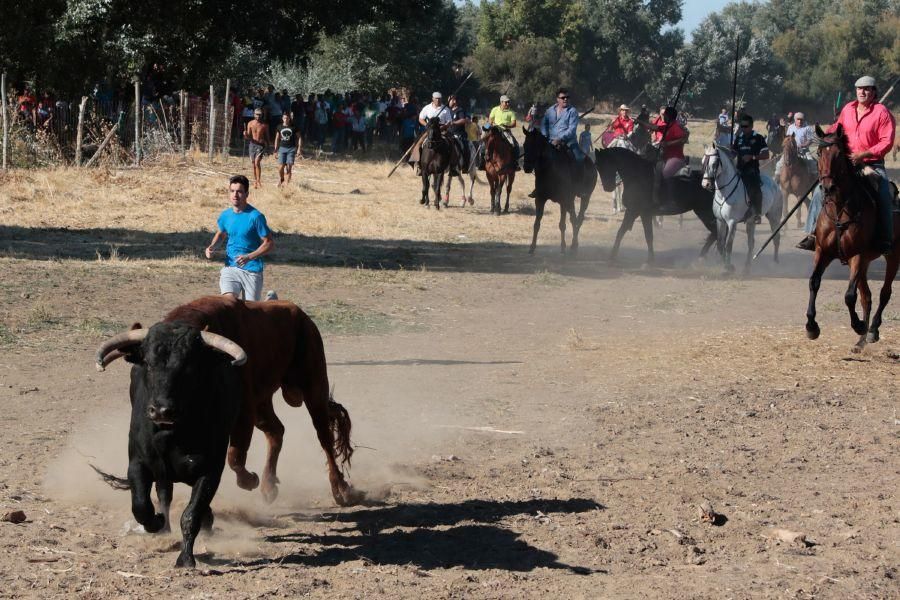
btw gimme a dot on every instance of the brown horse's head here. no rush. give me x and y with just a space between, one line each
834 164
789 149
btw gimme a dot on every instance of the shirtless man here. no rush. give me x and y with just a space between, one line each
257 134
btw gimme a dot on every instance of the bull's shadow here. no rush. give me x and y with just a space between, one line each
472 540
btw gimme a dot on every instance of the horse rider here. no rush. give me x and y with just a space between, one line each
870 128
457 128
503 117
623 124
750 148
803 137
560 124
428 112
670 138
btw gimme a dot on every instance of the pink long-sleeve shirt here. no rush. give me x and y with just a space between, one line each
874 131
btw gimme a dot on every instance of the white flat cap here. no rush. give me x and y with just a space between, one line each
865 81
436 95
799 115
623 107
504 98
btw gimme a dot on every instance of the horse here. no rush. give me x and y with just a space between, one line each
457 169
558 176
435 157
795 177
619 141
637 175
731 203
845 230
499 166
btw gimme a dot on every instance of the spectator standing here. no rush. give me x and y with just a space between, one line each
339 126
321 123
371 114
273 106
248 240
298 114
407 128
357 130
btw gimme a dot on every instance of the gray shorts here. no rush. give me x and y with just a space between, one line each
233 280
255 150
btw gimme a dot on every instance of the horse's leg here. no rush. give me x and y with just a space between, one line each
647 221
582 208
773 225
865 300
820 262
890 271
509 182
850 295
473 171
447 190
729 244
576 226
563 209
627 223
424 199
538 215
751 241
437 181
462 189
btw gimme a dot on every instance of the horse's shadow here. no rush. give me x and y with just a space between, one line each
430 536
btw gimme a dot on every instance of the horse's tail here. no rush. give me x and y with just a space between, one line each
339 421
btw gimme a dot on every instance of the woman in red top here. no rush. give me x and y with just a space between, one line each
672 138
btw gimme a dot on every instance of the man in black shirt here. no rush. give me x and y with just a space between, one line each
457 129
750 148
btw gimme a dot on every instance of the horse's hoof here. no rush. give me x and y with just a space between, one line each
858 347
248 481
185 561
872 337
471 201
813 331
531 251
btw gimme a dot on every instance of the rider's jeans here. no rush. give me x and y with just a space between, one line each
885 226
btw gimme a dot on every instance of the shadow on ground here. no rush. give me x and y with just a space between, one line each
467 536
335 251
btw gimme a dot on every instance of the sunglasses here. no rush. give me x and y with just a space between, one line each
563 97
744 126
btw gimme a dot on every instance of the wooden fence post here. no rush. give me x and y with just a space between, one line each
212 121
102 145
79 133
5 120
137 122
226 135
183 101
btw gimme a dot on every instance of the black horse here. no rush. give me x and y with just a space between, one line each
558 176
435 158
637 198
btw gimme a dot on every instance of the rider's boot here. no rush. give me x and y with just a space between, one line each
808 243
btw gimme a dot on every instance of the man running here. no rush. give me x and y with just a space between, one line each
248 239
257 136
870 128
287 144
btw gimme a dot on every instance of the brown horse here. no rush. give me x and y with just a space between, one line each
795 177
435 157
845 230
499 166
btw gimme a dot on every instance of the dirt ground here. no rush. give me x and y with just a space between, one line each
525 427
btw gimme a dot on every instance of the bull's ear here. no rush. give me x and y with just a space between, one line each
819 131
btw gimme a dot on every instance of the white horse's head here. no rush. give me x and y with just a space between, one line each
712 162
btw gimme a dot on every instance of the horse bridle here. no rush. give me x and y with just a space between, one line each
706 175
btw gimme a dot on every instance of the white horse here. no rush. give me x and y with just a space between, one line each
620 141
731 202
471 170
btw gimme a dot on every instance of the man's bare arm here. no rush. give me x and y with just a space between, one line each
212 245
267 245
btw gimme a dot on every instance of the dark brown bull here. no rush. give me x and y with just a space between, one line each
273 345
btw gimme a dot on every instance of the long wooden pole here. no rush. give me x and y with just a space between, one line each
5 110
888 92
212 121
102 145
137 122
737 47
785 220
79 133
182 117
226 121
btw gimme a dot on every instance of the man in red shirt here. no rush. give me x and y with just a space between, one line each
870 128
623 124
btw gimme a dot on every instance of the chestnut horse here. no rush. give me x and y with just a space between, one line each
435 157
499 166
795 178
845 230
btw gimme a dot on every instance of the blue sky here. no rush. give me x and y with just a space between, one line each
694 11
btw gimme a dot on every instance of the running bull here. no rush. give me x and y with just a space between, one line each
202 378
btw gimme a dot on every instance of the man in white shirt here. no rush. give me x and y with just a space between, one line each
428 112
803 136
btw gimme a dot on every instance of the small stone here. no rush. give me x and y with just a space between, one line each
15 517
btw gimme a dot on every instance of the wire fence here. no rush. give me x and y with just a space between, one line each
174 124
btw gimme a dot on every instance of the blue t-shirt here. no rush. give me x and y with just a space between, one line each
245 231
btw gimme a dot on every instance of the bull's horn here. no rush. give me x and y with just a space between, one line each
108 351
223 344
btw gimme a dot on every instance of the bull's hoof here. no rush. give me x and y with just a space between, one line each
859 328
185 561
858 346
156 524
248 480
812 331
872 336
531 251
349 496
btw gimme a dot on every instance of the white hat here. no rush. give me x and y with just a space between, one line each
865 81
436 95
504 98
623 107
799 115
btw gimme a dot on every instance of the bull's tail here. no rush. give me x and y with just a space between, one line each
117 483
339 421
